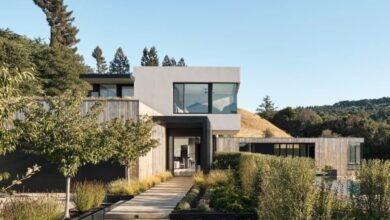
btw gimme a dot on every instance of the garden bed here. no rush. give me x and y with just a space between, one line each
201 215
116 198
95 213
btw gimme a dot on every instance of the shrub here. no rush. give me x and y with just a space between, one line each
230 199
226 161
189 199
288 185
199 178
218 178
30 209
88 195
372 199
123 187
164 176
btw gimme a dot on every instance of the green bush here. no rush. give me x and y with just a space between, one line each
88 195
30 209
189 198
224 161
372 199
230 199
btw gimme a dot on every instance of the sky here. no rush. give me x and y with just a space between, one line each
300 53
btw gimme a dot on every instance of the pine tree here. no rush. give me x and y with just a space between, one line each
120 63
166 61
62 32
267 109
149 57
181 62
173 61
153 57
101 65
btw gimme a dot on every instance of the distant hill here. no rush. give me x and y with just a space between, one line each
376 109
253 125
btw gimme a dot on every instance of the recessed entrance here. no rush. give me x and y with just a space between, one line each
186 155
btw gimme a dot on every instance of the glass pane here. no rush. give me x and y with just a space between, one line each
277 149
178 98
224 98
108 91
283 150
289 150
244 147
196 98
303 149
296 150
357 153
352 154
127 91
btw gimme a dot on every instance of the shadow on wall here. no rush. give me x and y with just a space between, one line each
49 179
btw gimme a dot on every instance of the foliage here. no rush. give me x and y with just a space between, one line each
120 63
372 199
55 129
199 178
189 199
56 69
149 57
25 208
19 179
267 108
226 161
132 139
88 195
218 178
230 199
181 62
268 133
125 187
62 32
101 65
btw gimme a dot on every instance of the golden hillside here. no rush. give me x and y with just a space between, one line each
253 125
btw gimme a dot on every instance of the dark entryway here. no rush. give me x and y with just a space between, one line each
188 143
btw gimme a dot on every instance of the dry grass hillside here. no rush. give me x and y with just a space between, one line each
253 125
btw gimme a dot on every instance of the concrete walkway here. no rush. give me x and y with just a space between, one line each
156 203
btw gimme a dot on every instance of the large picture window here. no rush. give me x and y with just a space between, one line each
198 98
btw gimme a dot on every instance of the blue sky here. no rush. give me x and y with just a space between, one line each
301 52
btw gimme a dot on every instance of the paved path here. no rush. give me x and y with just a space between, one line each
156 203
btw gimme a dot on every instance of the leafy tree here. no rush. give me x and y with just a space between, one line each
101 65
267 108
62 32
120 63
149 57
133 140
167 61
56 130
268 133
181 62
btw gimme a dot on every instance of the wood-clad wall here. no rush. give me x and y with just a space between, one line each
328 151
114 108
155 161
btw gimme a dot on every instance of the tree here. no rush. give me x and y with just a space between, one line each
268 133
62 32
101 65
181 62
133 140
55 129
167 61
267 108
120 63
173 61
149 57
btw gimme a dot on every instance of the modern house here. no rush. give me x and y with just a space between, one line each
195 114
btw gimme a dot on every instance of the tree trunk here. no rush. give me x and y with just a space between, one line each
67 199
127 173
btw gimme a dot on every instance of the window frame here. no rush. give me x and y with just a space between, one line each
209 101
357 155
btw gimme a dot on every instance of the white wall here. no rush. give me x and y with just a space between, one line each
154 87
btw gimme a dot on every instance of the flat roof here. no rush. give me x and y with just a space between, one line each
107 78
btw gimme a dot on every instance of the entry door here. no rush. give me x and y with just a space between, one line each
186 155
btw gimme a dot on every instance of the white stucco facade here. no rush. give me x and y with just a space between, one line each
154 87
